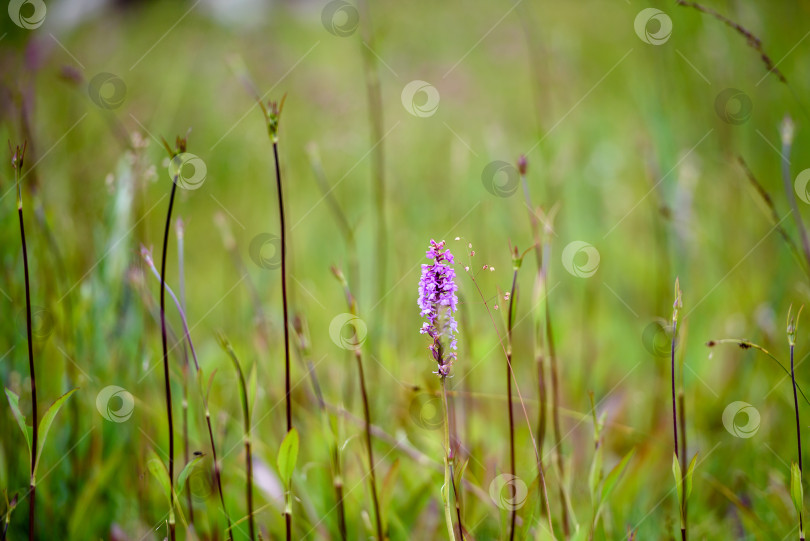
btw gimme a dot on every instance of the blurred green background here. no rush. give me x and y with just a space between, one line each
633 144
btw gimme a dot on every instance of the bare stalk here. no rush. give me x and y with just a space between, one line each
247 438
352 304
181 276
181 144
791 333
17 158
299 325
510 319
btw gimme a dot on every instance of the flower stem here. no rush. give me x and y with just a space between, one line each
448 516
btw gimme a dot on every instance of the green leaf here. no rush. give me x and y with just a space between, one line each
253 385
612 478
689 471
676 472
595 475
288 456
187 469
47 421
158 469
14 402
796 489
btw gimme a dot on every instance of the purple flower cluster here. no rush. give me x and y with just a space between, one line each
437 301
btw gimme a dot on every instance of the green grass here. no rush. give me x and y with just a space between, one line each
622 136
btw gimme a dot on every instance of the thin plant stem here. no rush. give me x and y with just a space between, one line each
17 159
541 283
745 344
540 468
448 516
272 115
217 472
791 334
282 226
787 130
164 343
299 325
680 455
247 437
510 317
352 304
378 182
180 234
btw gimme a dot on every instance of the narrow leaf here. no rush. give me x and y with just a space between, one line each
689 471
676 472
14 402
612 478
187 469
253 386
288 456
796 489
47 421
595 475
158 469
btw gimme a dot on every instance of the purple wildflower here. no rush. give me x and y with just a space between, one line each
437 301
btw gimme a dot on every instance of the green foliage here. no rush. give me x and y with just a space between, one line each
288 456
